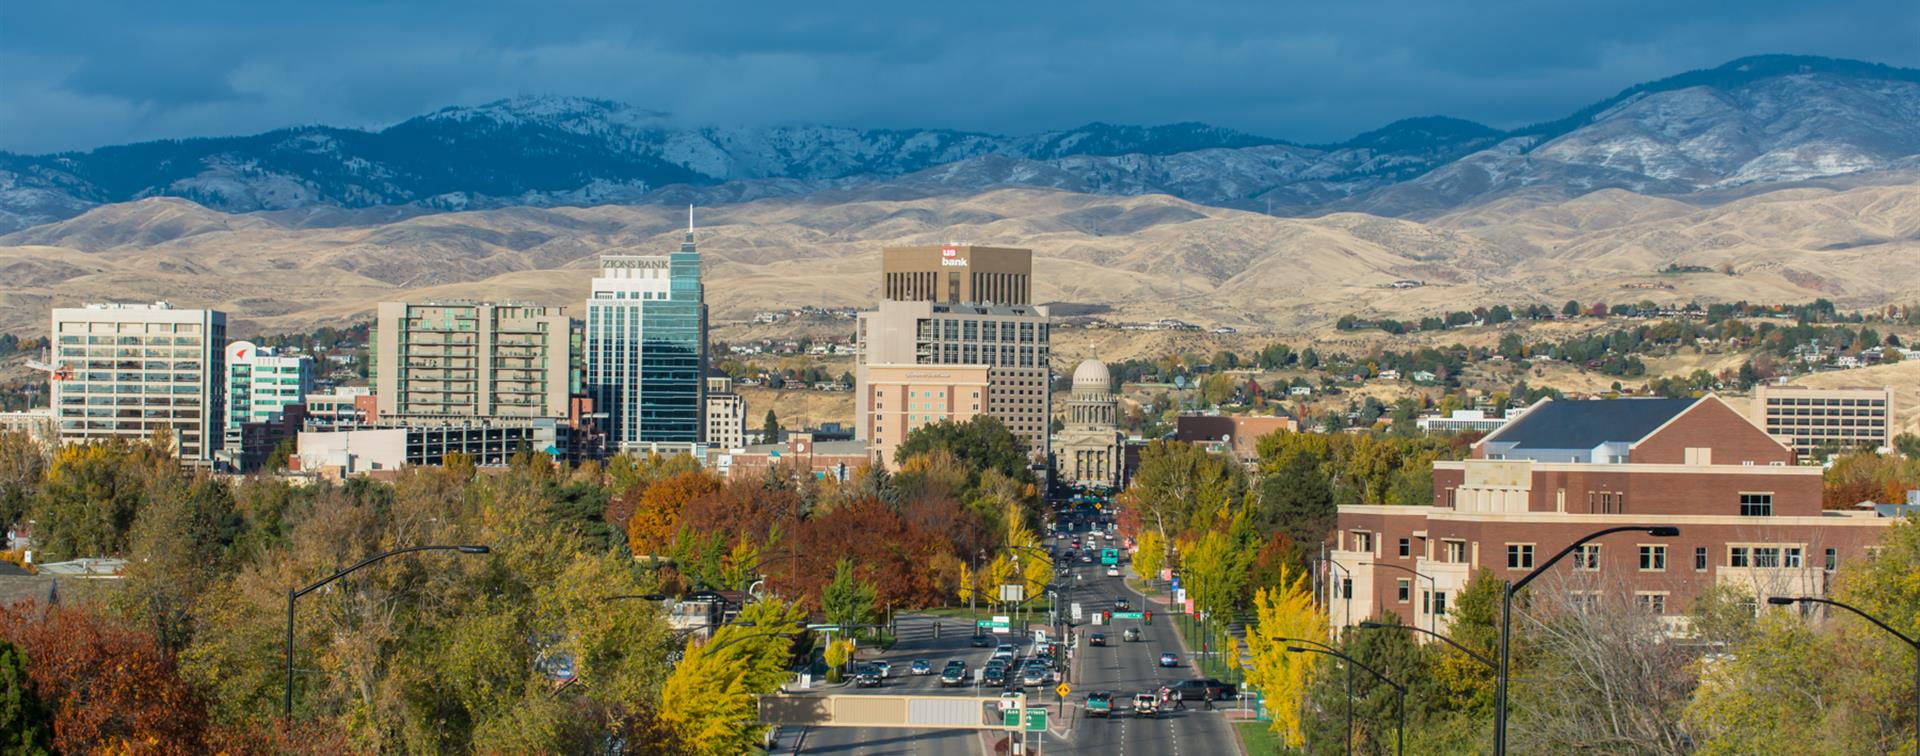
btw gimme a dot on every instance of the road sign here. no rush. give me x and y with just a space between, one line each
1063 690
1126 615
1076 611
1036 720
1000 623
1013 592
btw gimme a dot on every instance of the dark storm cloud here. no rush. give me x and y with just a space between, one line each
81 74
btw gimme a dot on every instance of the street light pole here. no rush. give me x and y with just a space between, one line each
1506 619
1914 643
1349 669
1400 694
287 709
1449 641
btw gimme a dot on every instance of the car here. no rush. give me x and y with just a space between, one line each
920 667
1099 704
1145 704
981 640
1121 605
994 675
1086 559
1201 689
954 674
1113 571
885 667
1003 651
1097 639
1036 674
866 676
1131 634
1169 659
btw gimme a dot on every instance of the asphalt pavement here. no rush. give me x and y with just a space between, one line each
1121 668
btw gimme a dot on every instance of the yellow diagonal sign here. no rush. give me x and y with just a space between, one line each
1063 690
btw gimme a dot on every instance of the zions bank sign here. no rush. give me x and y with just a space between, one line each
950 258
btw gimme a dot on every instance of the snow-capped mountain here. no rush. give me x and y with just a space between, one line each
1755 121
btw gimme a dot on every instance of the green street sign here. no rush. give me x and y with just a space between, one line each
1126 615
1036 720
1010 718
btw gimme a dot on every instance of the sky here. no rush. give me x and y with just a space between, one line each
77 74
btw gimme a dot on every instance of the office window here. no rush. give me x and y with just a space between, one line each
1792 557
1756 505
1737 556
1655 603
1519 556
1587 558
1405 589
1833 559
1766 556
1406 547
1653 558
1700 559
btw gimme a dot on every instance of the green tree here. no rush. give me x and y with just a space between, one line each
980 444
26 725
23 466
1295 499
1570 309
770 428
1180 487
847 600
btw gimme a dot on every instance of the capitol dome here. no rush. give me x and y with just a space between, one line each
1092 374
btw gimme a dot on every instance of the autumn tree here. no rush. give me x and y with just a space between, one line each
23 465
656 513
708 701
981 444
90 497
1285 614
1181 487
847 601
110 686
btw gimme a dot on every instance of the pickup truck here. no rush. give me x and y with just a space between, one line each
1100 704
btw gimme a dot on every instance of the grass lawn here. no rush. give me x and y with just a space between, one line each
1256 739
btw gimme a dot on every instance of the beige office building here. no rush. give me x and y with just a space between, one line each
471 359
901 398
1811 419
131 371
726 415
1009 342
957 273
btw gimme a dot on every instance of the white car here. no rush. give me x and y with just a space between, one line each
886 669
1113 572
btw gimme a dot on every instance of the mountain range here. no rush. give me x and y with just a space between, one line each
1712 135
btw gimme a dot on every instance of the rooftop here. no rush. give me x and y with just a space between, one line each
1590 423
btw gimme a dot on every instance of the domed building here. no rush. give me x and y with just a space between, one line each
1090 450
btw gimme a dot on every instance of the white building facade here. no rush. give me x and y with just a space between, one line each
133 371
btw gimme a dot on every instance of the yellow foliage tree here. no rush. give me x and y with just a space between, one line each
1285 612
708 699
1150 554
657 512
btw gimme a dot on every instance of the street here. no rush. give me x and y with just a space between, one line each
1121 668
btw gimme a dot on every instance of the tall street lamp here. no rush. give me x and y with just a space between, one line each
1479 657
1349 669
1506 619
1433 587
1787 600
295 594
1400 695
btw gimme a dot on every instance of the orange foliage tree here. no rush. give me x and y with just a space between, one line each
656 513
111 687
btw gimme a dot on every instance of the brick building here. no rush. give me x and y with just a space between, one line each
1748 516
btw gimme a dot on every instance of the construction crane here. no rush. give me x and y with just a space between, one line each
54 370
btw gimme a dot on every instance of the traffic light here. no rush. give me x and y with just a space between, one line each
1148 615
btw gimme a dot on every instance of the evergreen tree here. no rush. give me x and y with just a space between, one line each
26 726
770 429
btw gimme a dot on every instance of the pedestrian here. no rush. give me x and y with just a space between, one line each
1209 698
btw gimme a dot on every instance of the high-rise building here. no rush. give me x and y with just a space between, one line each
956 273
471 359
1011 342
261 383
726 415
646 344
1815 419
131 371
900 398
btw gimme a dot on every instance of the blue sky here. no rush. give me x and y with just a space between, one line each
76 74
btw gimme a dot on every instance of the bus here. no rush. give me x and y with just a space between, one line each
1109 556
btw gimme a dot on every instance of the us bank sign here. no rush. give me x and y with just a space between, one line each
950 258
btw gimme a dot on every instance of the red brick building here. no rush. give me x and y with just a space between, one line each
1748 516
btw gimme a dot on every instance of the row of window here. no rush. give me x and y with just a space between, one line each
1803 402
1586 558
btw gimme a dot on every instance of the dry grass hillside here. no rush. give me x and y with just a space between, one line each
1146 257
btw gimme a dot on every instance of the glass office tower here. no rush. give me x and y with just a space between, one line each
646 346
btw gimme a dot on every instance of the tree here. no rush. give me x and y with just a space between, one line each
23 465
1150 554
26 727
1571 309
1296 500
770 428
1284 613
656 515
847 601
708 700
980 444
89 499
1181 487
110 686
